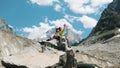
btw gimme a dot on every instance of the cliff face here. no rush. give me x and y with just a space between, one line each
108 24
110 18
109 21
102 45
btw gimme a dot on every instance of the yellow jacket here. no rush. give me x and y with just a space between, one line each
61 32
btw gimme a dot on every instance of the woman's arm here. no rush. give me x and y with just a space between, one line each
62 31
64 27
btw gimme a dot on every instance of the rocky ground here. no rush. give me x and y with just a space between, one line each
106 54
34 60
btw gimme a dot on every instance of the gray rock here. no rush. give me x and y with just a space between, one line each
66 61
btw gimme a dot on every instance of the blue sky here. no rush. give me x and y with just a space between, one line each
28 16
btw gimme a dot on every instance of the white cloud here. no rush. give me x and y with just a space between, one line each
60 23
88 22
10 26
86 6
42 31
99 3
78 6
44 2
36 32
58 7
70 18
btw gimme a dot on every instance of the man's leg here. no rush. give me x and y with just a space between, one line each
59 40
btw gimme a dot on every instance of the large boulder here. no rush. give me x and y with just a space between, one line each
50 58
33 60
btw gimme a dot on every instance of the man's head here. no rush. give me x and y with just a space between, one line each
60 28
57 29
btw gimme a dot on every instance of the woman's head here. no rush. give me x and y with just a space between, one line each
58 29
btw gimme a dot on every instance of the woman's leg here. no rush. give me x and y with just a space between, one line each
68 42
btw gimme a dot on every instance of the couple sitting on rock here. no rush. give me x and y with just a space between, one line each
59 33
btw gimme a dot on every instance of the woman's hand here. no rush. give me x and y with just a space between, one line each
64 25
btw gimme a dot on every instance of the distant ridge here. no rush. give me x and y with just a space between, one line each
4 26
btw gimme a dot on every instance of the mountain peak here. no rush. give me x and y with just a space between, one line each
110 19
114 6
4 26
108 25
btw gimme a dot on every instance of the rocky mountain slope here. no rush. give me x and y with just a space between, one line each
109 23
20 52
102 46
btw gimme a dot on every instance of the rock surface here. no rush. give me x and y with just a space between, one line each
12 44
47 59
33 60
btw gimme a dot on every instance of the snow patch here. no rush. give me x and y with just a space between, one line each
117 36
119 30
